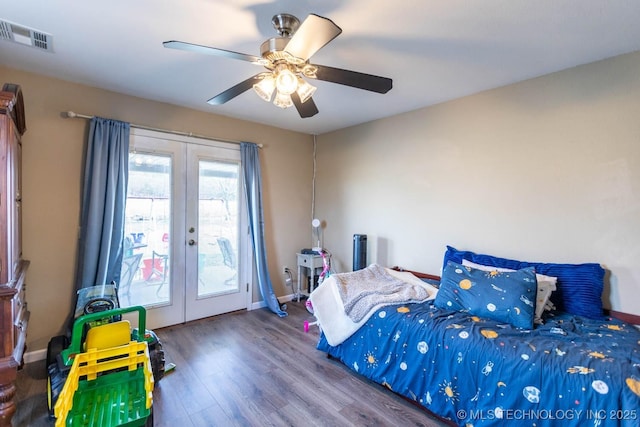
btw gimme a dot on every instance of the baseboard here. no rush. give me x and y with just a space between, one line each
285 298
35 356
282 300
257 305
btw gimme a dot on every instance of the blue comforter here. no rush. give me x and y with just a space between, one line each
475 372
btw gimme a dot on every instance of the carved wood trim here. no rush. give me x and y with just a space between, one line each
12 103
7 404
12 328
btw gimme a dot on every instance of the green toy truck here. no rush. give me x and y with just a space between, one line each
110 382
98 324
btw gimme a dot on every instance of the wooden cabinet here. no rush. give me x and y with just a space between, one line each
14 315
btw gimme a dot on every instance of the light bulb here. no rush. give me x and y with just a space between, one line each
286 81
305 90
282 100
265 87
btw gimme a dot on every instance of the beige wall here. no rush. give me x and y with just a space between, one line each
547 170
543 170
52 162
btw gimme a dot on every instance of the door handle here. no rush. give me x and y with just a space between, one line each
192 242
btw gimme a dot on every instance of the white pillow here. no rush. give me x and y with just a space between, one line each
546 285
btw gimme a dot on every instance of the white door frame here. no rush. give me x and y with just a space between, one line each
156 142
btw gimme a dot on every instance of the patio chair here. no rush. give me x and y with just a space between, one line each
130 266
228 257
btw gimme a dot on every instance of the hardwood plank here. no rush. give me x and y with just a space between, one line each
249 369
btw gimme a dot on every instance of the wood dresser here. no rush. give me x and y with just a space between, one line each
14 315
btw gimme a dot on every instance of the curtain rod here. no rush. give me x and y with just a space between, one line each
72 115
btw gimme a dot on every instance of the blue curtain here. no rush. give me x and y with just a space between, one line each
104 194
253 189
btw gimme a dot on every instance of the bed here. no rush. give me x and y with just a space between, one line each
475 351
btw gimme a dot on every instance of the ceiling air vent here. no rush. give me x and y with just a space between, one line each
26 36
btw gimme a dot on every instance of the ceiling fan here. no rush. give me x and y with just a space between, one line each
286 59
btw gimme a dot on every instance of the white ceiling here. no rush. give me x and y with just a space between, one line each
434 50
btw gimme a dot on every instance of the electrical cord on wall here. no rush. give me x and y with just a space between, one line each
313 184
289 282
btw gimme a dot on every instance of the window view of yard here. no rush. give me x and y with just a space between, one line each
146 278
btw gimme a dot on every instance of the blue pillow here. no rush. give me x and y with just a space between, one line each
579 286
507 297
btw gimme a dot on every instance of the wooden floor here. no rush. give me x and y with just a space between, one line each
249 369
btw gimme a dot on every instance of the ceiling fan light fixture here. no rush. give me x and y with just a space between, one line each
286 81
265 87
282 100
305 90
286 59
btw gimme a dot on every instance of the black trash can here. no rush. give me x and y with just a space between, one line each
359 251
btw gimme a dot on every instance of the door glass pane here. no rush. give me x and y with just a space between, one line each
217 228
145 278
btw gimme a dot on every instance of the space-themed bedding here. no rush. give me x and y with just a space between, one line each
476 372
502 342
345 301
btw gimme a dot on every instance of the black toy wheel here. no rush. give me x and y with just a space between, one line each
55 381
55 347
55 377
156 355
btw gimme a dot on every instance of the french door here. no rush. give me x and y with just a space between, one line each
186 245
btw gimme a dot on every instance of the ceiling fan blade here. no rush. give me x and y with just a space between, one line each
311 36
234 91
306 109
354 79
174 44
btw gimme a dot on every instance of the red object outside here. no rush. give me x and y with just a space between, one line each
147 268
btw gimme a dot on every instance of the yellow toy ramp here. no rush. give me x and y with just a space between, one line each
107 388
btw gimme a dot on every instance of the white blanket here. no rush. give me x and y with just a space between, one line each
328 307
